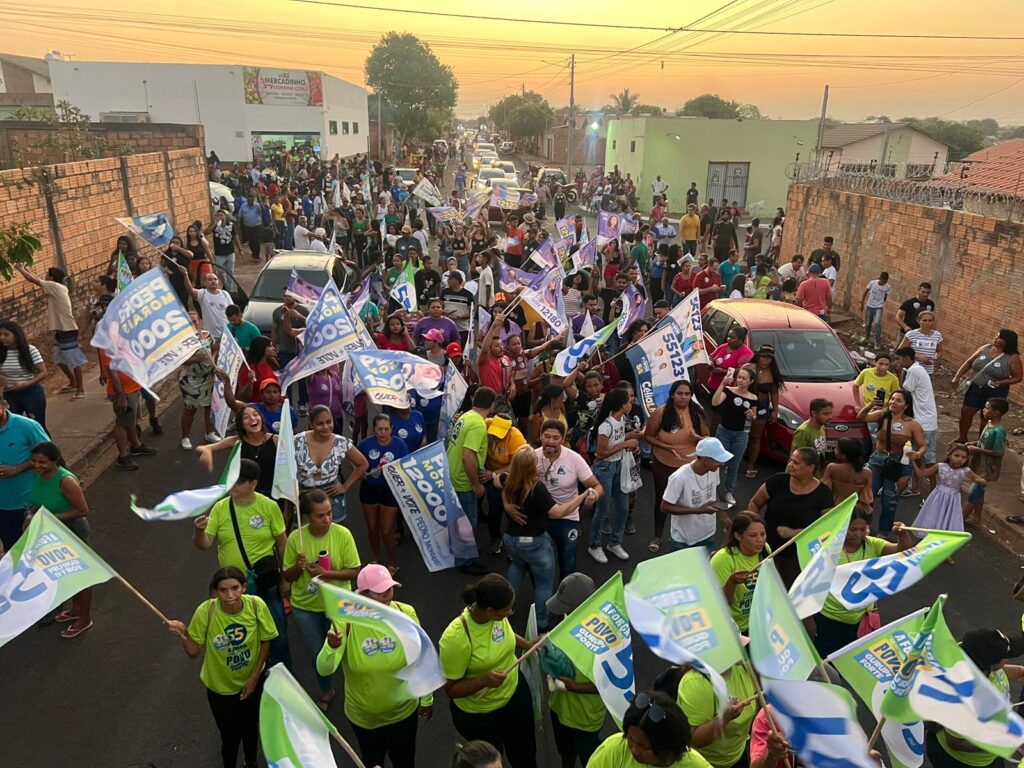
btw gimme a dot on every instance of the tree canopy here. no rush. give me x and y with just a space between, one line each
963 139
522 114
623 102
713 106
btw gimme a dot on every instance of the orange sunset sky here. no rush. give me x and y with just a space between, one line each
957 79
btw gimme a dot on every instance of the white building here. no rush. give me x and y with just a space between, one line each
244 111
889 149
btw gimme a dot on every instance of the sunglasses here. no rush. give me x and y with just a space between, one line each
652 712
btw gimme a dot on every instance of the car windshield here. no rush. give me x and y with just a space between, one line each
808 355
499 182
407 174
491 173
272 282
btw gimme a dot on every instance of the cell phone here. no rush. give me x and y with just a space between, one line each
730 373
880 394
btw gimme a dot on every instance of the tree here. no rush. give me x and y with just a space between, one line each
71 137
528 120
987 126
1013 133
18 245
713 106
624 102
502 114
647 109
961 138
749 112
420 90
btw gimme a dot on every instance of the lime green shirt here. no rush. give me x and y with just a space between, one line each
725 562
470 431
374 697
582 711
809 436
614 753
833 609
341 548
468 649
981 758
697 699
231 642
259 523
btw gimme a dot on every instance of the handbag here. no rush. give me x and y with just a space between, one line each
629 473
869 622
264 573
966 384
893 468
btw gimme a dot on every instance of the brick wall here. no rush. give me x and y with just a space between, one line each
586 148
72 208
970 261
18 140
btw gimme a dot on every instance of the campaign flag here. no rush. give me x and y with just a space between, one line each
511 279
628 226
455 389
939 683
686 315
634 307
357 299
569 358
421 674
404 292
608 226
820 721
476 201
230 359
146 331
566 227
331 333
303 291
597 639
819 547
544 256
657 364
445 213
545 297
779 645
505 198
46 566
182 505
484 318
587 326
154 228
428 193
286 471
388 375
430 507
294 733
858 585
124 274
586 256
869 664
362 334
528 198
531 667
562 246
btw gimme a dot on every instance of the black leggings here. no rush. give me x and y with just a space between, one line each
397 740
509 729
238 720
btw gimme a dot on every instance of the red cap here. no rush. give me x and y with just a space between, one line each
454 349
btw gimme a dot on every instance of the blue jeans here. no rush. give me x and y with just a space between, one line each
289 236
885 490
469 503
566 535
607 474
873 317
29 402
735 442
279 650
534 555
313 627
708 544
227 263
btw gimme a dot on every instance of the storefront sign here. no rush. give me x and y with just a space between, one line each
283 87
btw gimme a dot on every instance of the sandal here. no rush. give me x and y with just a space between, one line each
1017 519
67 389
65 616
70 632
654 546
751 474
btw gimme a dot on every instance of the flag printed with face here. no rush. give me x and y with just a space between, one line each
634 307
422 672
294 733
546 299
869 665
858 585
819 547
939 683
455 389
597 639
182 505
820 722
146 331
445 213
686 314
544 257
230 359
657 364
585 257
566 227
428 193
387 376
608 225
511 279
286 471
331 333
154 228
505 198
569 358
303 291
124 274
562 246
357 299
46 566
779 645
431 509
476 201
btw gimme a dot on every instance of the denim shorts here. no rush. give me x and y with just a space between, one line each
929 455
975 493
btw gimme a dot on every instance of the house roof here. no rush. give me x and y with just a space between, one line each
999 168
37 66
844 135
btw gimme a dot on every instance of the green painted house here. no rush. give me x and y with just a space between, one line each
742 160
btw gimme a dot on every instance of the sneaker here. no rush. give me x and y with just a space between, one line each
908 492
154 425
186 444
211 437
630 528
730 500
619 552
126 463
303 410
142 450
495 548
598 554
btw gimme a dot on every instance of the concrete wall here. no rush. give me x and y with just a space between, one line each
970 260
72 208
647 146
344 103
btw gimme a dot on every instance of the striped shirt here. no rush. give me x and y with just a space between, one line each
12 370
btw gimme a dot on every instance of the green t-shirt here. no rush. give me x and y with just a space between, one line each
725 562
697 699
614 753
833 609
341 548
982 758
641 255
470 431
468 649
374 697
370 311
231 642
244 333
809 436
260 523
582 711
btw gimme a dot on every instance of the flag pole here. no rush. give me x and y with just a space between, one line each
298 517
761 697
536 647
876 733
139 595
773 554
347 747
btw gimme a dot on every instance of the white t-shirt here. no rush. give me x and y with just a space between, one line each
318 246
301 238
213 306
786 271
12 370
877 293
485 280
777 235
59 315
919 384
562 476
687 489
420 235
615 431
659 187
830 274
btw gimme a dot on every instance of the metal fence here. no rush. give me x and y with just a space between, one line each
943 192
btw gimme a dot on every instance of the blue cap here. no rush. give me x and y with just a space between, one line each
815 269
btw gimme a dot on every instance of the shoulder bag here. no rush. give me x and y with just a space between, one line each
964 385
893 468
264 573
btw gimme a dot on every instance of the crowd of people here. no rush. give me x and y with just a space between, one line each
544 461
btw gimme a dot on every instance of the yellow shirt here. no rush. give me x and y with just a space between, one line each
689 226
277 211
499 452
870 382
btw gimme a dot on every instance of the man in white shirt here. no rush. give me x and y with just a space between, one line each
301 234
794 269
664 232
659 188
690 495
918 383
213 302
872 302
316 240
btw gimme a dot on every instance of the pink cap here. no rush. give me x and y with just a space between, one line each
375 578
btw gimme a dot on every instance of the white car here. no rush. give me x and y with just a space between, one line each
486 174
486 146
482 158
507 166
217 191
407 175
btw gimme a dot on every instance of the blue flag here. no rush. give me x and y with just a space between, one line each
569 358
658 362
510 278
387 376
154 228
634 307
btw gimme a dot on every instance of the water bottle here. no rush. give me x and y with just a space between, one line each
907 450
324 560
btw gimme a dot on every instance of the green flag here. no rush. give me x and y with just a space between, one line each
124 274
46 566
596 638
182 505
294 733
819 548
779 645
816 535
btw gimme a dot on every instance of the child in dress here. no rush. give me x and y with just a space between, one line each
943 510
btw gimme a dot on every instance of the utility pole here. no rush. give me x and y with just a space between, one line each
571 123
821 128
524 89
380 132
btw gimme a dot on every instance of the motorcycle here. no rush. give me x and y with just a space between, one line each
569 190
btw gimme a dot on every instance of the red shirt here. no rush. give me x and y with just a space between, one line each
262 371
705 279
726 357
814 295
384 343
496 373
515 240
683 285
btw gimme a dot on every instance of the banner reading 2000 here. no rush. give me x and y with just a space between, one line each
283 87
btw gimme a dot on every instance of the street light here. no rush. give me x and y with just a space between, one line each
595 125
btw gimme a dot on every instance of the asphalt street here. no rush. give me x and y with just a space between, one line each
125 694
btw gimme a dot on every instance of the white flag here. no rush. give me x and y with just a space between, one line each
286 473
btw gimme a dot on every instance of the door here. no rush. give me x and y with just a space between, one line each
728 180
